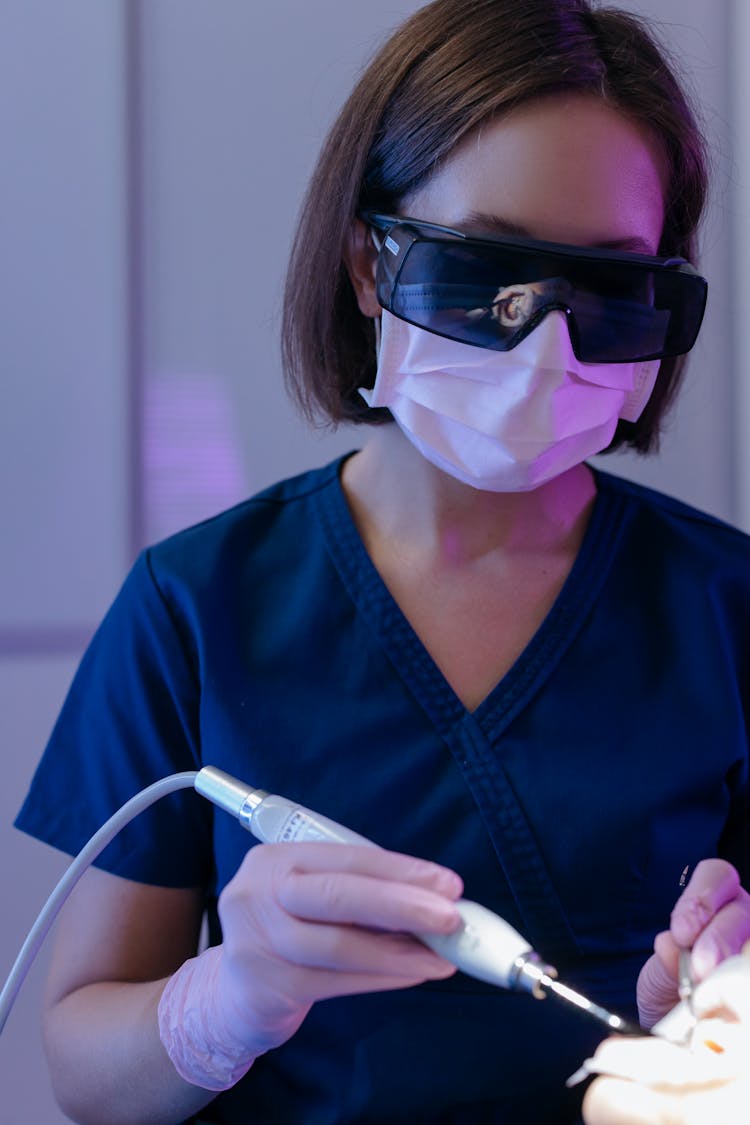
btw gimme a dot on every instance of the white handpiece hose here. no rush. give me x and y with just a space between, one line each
485 947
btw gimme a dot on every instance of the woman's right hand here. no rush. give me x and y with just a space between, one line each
307 921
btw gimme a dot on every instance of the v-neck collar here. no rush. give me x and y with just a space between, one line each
407 653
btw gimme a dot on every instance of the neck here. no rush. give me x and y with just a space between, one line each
396 495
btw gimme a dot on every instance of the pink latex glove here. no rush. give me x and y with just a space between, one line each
302 922
712 918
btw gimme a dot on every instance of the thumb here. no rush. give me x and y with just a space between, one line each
656 991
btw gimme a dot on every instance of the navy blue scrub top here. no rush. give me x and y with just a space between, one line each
613 754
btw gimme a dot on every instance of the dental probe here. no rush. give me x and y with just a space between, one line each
485 946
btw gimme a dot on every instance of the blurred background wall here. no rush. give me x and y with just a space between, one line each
154 156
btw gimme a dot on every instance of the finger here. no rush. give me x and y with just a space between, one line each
668 952
350 949
656 992
357 858
365 901
713 884
723 937
324 984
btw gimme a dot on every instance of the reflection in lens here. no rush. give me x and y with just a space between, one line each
514 305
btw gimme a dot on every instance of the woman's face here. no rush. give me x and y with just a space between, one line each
568 168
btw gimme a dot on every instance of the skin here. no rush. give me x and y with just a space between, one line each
565 169
660 1084
301 924
612 1101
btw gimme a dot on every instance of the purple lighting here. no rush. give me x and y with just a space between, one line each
193 464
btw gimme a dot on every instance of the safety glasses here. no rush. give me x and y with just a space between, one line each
492 292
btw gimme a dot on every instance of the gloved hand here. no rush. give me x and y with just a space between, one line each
712 918
302 922
652 1082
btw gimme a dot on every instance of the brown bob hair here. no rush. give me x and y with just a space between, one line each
447 69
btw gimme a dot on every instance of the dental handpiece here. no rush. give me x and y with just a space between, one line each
485 946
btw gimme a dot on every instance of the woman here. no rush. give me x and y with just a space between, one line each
461 641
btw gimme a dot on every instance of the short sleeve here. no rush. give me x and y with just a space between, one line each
130 718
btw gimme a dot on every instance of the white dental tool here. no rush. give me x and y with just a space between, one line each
485 947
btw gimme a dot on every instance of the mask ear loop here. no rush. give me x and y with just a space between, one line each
376 325
376 320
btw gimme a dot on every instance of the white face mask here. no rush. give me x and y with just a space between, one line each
504 421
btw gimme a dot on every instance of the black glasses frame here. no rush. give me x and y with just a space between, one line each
400 233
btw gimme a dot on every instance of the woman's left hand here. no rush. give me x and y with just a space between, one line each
712 919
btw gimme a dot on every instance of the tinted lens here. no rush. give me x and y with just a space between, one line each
493 296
